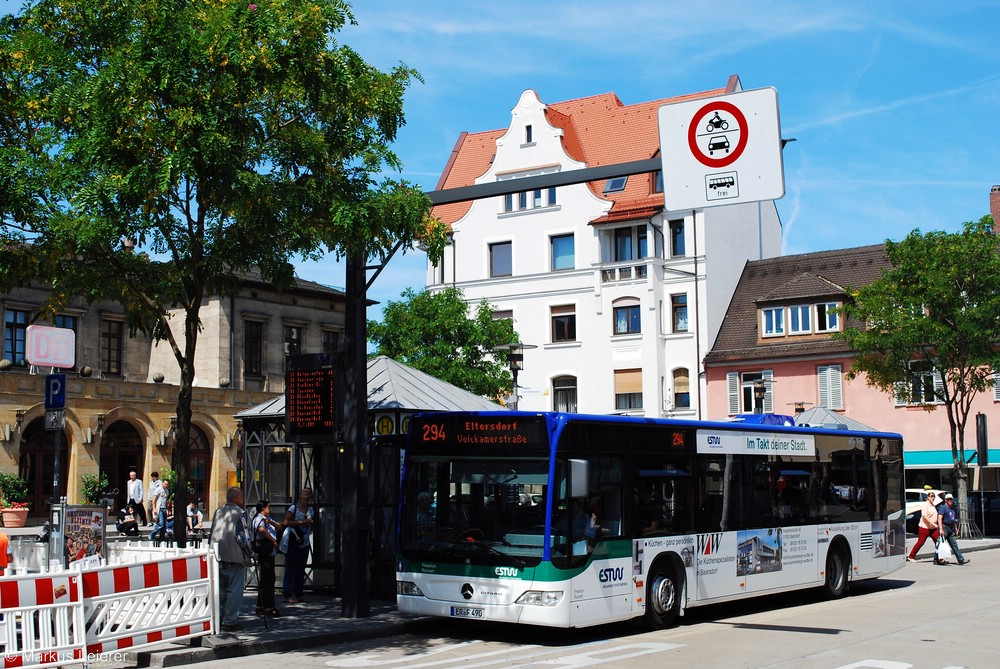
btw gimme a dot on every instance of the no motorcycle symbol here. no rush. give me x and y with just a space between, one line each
718 134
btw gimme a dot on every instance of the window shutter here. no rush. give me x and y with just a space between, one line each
996 386
899 395
831 390
733 382
938 388
768 376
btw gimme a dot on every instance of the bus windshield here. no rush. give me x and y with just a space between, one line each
470 510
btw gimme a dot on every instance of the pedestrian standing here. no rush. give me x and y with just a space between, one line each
154 485
133 495
298 527
227 536
159 505
946 526
927 527
266 541
6 556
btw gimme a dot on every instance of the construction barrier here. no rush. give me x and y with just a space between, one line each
74 617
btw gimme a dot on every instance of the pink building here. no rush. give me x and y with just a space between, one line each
776 339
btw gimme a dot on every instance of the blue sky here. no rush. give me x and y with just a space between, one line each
892 104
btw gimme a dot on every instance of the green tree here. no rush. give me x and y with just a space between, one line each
213 137
434 332
933 325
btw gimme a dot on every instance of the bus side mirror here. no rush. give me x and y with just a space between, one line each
579 478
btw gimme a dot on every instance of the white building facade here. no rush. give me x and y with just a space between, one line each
621 298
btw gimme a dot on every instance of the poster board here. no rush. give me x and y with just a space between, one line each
86 528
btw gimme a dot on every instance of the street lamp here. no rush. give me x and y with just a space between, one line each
515 361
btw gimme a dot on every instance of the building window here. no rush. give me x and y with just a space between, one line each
827 318
563 252
798 319
508 202
679 312
924 386
112 343
564 394
774 321
68 322
626 313
331 342
15 337
831 387
552 196
293 340
658 181
564 323
640 234
501 262
623 244
628 389
677 238
253 348
501 314
742 392
615 185
522 200
682 389
536 198
528 135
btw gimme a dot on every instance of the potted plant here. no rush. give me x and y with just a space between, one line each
13 500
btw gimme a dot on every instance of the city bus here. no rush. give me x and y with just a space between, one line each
570 520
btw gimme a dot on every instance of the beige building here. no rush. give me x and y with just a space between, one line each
121 393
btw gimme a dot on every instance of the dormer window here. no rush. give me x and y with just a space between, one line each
615 185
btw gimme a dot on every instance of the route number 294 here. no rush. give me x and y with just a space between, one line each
434 432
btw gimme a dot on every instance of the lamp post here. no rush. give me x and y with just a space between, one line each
515 361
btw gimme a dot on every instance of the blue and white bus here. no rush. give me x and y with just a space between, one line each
571 520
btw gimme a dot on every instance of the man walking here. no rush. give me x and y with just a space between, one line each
154 485
133 496
946 525
227 536
159 507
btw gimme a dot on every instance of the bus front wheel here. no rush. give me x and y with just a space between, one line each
663 596
836 572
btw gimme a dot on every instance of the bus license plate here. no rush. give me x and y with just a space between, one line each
466 612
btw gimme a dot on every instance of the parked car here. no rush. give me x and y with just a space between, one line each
914 498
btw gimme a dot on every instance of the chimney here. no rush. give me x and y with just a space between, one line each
995 207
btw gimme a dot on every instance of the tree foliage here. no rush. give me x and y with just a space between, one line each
214 137
937 308
434 332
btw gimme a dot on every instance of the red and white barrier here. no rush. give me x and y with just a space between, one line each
71 617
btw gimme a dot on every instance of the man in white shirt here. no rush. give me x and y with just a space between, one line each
154 484
133 495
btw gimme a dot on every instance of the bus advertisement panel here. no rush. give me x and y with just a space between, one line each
573 520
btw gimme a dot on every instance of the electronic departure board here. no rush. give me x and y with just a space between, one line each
309 396
479 430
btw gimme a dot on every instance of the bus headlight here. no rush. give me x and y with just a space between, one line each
408 588
541 598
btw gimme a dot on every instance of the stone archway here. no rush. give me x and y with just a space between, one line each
122 451
36 465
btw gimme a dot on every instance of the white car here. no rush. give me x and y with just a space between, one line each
914 498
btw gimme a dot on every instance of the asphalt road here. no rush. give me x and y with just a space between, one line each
923 616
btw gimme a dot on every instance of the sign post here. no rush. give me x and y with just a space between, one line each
722 150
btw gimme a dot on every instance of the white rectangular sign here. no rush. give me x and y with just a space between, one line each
48 346
721 150
754 443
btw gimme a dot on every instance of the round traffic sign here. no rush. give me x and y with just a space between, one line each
718 134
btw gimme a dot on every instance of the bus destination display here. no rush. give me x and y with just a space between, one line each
480 431
310 401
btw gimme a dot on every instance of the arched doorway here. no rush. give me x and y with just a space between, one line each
199 466
121 452
36 466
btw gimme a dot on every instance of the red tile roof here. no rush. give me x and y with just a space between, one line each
597 130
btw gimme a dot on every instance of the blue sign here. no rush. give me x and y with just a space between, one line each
55 391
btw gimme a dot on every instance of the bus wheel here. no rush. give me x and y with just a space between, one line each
836 573
662 597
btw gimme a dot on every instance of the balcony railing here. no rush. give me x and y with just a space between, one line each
623 273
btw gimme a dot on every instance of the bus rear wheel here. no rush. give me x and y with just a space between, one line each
836 573
662 597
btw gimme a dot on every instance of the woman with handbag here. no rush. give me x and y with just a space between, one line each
927 527
266 545
298 527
